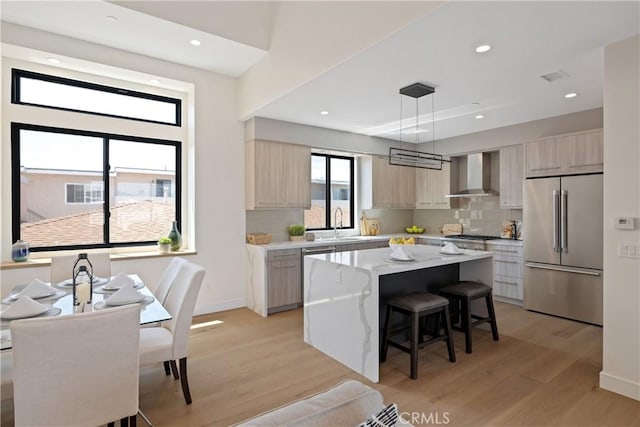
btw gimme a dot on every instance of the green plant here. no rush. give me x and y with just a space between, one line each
164 241
296 230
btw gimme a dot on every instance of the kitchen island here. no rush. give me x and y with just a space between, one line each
344 295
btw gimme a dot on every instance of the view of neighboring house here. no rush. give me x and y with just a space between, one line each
64 207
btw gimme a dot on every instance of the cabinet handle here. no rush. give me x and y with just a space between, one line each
505 251
585 165
507 262
544 169
506 283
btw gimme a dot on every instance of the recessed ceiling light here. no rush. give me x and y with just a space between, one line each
480 116
483 48
475 103
112 18
324 112
571 95
154 81
195 42
54 60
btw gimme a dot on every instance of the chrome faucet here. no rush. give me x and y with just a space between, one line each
335 221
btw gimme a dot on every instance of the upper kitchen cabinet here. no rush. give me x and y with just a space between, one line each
511 176
392 186
582 152
277 175
432 186
579 152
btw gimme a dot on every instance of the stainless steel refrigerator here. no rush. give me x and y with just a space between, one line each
563 246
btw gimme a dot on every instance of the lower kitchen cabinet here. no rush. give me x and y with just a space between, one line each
284 273
508 271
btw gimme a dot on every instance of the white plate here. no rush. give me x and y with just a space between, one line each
106 288
103 304
452 253
398 260
17 295
53 311
96 281
14 297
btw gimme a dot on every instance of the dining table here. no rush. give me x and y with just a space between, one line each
61 303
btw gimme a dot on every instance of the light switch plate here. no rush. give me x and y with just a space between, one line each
629 249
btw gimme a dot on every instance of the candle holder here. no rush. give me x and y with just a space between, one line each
82 269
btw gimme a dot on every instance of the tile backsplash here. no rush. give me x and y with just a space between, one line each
478 215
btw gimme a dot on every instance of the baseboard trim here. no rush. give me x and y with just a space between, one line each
620 385
222 306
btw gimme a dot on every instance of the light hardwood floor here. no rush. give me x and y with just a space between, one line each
542 372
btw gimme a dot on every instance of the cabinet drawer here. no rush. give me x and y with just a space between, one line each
283 254
505 265
509 287
507 250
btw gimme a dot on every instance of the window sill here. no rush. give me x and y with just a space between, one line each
43 259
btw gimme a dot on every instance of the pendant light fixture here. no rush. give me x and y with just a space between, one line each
414 158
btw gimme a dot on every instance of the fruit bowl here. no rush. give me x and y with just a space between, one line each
416 230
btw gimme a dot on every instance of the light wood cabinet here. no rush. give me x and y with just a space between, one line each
284 286
511 176
432 186
578 152
277 175
583 153
392 186
508 272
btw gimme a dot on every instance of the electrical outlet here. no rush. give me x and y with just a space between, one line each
629 249
338 276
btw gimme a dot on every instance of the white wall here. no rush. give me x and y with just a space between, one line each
621 335
216 163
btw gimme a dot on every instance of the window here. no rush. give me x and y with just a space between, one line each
85 193
48 91
81 189
331 199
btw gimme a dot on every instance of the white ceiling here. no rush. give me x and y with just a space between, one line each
529 39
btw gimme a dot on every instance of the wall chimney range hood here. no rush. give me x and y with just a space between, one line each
474 176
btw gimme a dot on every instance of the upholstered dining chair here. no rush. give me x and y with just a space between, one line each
169 342
161 291
77 370
167 278
62 266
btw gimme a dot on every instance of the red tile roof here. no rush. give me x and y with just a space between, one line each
130 222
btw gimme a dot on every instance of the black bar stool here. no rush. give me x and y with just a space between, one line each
418 306
461 294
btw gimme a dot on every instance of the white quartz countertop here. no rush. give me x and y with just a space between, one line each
379 260
319 242
339 241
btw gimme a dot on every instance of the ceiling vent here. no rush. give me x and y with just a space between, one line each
555 75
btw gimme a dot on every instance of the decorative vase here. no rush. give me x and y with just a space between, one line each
163 248
175 236
20 251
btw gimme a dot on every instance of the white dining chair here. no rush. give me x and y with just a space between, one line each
6 380
169 342
62 266
161 291
167 278
77 370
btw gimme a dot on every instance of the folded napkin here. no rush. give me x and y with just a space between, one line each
119 281
450 248
24 307
125 295
35 289
400 253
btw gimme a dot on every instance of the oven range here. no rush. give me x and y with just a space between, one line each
469 241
